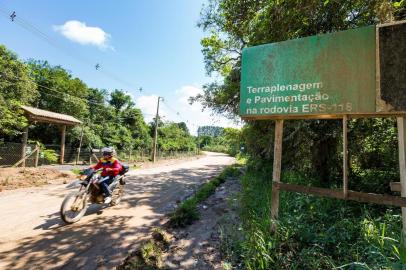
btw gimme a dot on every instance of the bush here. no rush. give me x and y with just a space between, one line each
187 212
315 233
50 155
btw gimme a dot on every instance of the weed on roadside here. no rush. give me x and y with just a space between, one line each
187 212
184 215
149 255
312 232
76 171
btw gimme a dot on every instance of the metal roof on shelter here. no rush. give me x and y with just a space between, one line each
35 114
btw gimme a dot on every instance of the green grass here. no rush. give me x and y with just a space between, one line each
313 232
149 255
187 212
135 167
76 171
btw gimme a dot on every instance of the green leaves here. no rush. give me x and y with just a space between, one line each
118 99
16 89
175 137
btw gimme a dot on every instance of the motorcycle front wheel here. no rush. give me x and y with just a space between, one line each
74 207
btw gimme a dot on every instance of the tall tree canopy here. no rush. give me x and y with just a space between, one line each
109 118
16 88
232 25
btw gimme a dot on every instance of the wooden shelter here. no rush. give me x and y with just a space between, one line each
35 115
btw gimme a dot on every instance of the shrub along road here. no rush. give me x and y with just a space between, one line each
34 237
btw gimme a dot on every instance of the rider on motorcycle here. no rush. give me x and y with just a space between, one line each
111 168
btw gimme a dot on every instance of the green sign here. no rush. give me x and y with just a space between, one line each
328 74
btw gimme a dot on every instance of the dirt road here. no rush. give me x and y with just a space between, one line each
32 236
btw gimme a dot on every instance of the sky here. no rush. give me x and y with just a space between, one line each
150 44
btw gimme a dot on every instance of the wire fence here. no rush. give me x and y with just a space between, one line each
11 153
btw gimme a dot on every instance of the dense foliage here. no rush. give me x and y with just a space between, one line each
234 24
209 131
314 233
226 140
109 117
16 89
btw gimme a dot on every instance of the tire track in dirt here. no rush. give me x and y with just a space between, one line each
35 238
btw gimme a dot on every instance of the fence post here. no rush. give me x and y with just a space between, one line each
80 146
24 147
37 155
63 133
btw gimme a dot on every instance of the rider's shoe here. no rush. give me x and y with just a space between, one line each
107 199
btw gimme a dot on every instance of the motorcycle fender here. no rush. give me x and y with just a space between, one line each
75 184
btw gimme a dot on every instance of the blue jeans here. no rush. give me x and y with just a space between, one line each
105 185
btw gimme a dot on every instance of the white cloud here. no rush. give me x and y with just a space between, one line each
194 115
178 109
86 35
148 104
186 92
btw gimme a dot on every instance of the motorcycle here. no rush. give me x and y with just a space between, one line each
75 204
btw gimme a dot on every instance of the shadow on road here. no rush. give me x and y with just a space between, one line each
54 221
104 240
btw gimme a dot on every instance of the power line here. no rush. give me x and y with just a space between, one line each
64 95
75 97
72 96
34 30
178 114
56 91
119 118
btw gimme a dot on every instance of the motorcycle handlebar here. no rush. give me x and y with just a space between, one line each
90 171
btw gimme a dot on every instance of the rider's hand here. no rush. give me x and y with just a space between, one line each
109 169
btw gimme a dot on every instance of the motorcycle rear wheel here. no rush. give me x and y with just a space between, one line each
74 207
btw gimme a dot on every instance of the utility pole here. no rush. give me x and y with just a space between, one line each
156 132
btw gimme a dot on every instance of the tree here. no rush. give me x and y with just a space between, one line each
59 91
119 99
172 137
235 24
16 88
183 126
213 131
232 137
108 119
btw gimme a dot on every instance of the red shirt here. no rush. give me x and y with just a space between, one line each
112 163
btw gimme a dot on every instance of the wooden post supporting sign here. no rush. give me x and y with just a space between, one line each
345 157
402 166
277 164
